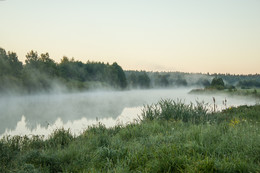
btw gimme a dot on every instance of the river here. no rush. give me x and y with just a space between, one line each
43 113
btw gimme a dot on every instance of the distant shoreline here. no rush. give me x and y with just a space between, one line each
236 92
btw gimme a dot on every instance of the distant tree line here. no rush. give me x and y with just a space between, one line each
138 79
40 72
239 81
182 79
234 79
142 79
244 84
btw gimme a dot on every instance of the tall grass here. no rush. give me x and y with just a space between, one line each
172 137
176 110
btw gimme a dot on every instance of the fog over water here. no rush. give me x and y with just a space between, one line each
43 113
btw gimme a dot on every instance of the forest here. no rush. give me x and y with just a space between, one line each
41 73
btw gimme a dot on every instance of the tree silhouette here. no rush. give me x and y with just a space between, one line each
217 83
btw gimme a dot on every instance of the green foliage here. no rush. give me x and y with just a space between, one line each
244 84
217 83
120 78
203 82
10 71
181 82
139 79
9 64
60 138
227 141
143 80
164 80
175 110
41 73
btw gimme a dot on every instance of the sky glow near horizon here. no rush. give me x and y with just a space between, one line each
189 36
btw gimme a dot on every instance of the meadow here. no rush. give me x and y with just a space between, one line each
170 136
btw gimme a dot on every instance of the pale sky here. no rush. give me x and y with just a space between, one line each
221 36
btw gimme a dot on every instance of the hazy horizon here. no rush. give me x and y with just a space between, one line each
187 36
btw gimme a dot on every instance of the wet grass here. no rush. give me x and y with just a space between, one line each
171 137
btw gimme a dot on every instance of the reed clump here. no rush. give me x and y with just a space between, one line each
177 111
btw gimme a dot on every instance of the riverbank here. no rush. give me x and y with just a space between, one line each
171 137
235 92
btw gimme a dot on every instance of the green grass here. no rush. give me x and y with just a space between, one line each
171 137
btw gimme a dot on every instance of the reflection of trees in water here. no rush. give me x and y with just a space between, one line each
46 109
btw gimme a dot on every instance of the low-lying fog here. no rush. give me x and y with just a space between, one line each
41 114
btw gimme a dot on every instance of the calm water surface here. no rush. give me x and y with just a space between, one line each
41 114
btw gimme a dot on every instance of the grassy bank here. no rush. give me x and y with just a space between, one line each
171 137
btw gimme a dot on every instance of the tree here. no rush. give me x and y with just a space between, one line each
203 82
10 71
181 82
217 83
144 80
47 65
164 81
249 84
132 80
70 69
15 65
32 59
9 64
3 62
120 75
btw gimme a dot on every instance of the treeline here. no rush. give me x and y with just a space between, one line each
233 79
240 81
245 84
182 79
40 72
144 79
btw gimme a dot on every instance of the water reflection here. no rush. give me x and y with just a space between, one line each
41 114
129 115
